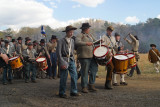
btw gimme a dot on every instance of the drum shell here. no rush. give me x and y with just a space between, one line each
132 62
42 64
120 66
16 63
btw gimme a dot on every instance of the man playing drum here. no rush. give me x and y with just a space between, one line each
120 51
65 51
135 45
109 41
43 49
154 57
29 56
85 47
10 52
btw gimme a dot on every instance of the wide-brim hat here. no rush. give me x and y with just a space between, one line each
152 45
13 40
28 39
30 43
42 41
110 28
54 37
35 41
6 41
85 26
19 38
68 28
116 34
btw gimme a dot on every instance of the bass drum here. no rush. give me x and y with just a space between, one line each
102 55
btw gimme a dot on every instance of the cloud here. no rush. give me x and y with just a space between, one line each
132 20
28 13
76 6
89 3
20 13
158 16
53 5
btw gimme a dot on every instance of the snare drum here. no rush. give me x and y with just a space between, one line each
42 63
15 62
132 60
102 55
120 64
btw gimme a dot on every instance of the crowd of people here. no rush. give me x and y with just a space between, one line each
62 52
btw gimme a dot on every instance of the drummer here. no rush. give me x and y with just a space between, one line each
29 56
43 49
85 46
10 52
109 41
134 42
120 51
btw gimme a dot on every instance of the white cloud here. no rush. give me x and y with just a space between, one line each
53 5
90 3
158 16
28 13
132 20
20 13
76 6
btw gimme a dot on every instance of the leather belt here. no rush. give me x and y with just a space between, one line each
67 56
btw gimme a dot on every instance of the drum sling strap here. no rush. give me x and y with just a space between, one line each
156 55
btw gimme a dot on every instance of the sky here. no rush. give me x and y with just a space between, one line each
60 13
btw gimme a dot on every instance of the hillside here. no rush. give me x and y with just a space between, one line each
148 32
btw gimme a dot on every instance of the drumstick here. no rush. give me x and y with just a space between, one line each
100 41
126 36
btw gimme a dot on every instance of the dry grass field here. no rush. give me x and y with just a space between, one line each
142 91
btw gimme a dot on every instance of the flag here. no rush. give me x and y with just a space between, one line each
43 31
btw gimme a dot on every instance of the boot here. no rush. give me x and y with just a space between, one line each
92 88
108 85
84 90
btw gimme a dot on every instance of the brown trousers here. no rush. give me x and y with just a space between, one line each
110 68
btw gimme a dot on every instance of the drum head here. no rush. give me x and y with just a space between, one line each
130 55
13 58
121 57
100 51
40 59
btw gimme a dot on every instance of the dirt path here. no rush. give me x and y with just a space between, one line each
142 91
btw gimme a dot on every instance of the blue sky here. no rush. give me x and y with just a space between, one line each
59 13
111 10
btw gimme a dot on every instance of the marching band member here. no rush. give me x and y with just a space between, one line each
43 49
19 52
51 46
35 45
65 51
109 41
154 57
10 52
89 66
120 51
135 45
29 56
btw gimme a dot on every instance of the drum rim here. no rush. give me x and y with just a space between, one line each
132 56
122 59
13 57
41 57
98 47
